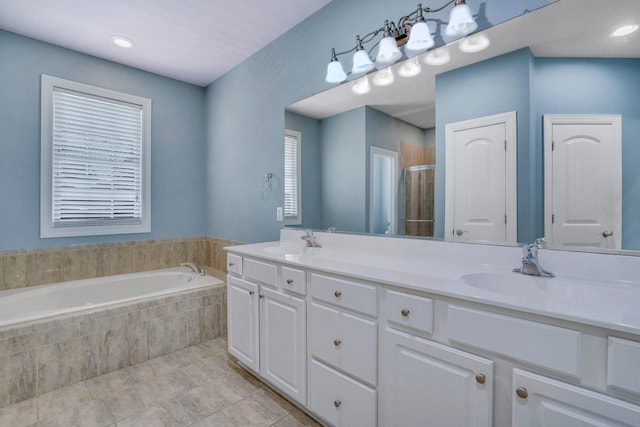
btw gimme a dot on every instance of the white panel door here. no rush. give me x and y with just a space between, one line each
242 318
429 384
282 343
583 181
481 179
543 402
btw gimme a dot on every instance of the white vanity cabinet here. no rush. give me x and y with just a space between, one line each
542 401
267 326
343 348
424 382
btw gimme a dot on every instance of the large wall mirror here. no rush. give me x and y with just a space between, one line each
536 135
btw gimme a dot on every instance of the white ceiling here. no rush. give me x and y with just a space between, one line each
195 41
566 28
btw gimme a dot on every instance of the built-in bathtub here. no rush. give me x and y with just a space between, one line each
55 335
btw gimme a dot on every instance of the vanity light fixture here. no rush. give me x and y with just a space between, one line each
410 30
625 30
122 41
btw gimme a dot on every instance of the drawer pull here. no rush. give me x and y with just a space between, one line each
404 312
289 281
337 294
481 379
337 403
522 392
337 343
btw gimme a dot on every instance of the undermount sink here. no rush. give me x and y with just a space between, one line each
285 249
622 294
508 283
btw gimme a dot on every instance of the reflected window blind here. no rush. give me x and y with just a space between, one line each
96 160
291 166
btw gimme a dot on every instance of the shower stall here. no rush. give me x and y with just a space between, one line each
416 197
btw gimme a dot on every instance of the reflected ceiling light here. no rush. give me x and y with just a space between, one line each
361 86
410 68
474 43
461 20
438 56
383 77
625 30
122 41
411 31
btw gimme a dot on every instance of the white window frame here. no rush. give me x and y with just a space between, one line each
297 219
47 227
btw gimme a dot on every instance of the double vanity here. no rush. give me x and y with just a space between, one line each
371 330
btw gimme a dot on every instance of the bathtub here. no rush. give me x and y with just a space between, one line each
52 336
37 302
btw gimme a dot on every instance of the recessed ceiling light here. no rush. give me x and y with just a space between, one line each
625 30
122 41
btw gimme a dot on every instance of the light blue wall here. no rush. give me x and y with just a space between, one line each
343 178
245 119
177 141
310 166
597 86
494 86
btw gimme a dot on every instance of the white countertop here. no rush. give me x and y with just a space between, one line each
608 300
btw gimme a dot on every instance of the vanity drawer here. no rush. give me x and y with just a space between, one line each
259 271
343 293
339 399
293 280
344 340
234 264
623 360
409 311
539 344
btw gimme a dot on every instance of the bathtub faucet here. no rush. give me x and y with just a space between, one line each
194 268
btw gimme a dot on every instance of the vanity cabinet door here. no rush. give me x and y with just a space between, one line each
242 318
424 383
283 343
540 401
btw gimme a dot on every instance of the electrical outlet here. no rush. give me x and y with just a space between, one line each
279 214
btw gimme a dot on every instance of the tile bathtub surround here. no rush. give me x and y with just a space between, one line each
39 357
197 386
38 267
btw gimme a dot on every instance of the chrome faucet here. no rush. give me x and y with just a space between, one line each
530 262
310 238
194 268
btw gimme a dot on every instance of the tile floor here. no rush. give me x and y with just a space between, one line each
197 386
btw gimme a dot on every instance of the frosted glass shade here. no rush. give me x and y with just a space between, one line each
461 21
335 72
361 86
420 38
361 62
388 52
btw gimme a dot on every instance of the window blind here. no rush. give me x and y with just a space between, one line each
96 160
291 174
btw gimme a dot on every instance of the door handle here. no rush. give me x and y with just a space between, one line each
607 233
460 232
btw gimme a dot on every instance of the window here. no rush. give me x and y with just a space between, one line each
292 202
95 162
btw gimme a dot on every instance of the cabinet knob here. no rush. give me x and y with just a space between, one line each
481 379
251 293
522 392
261 296
337 403
337 294
404 312
607 233
231 264
289 281
337 343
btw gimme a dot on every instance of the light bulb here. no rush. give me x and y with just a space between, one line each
474 43
383 77
361 86
438 56
410 68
